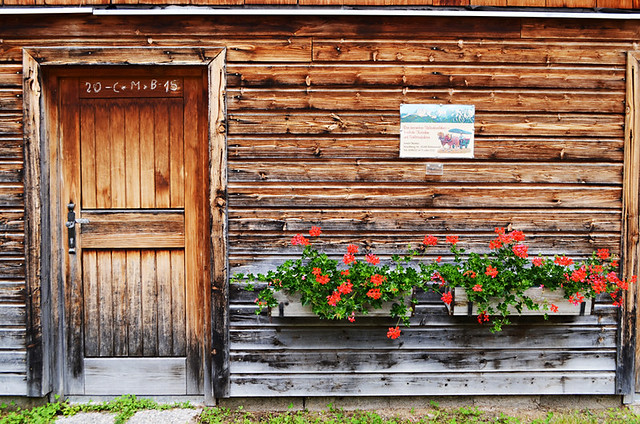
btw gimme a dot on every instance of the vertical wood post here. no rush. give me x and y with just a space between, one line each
218 199
627 381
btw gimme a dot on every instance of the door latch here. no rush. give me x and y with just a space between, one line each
71 226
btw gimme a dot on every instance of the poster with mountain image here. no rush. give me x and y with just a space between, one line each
436 131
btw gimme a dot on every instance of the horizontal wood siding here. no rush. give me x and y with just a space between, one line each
620 4
313 137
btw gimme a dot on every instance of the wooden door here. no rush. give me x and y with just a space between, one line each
134 174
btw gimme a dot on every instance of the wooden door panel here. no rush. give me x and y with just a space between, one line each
134 303
132 153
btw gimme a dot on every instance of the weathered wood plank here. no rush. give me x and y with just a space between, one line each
117 125
13 292
448 383
427 75
382 244
11 148
146 376
104 161
509 148
398 361
13 384
161 153
386 123
134 297
132 230
10 123
381 99
364 170
164 303
12 220
472 51
371 338
149 321
178 306
580 29
132 158
107 326
10 75
88 155
12 338
11 172
272 49
14 361
176 156
91 309
10 99
121 306
378 220
12 244
421 196
14 27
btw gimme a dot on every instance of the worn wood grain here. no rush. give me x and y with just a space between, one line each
350 171
425 384
352 99
427 75
416 195
387 123
472 51
327 361
385 221
151 376
376 146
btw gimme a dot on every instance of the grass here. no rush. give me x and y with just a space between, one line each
126 406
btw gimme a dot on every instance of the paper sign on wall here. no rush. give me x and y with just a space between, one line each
436 131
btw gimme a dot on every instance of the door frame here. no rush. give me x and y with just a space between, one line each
43 206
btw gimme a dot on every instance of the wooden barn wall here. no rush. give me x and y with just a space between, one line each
313 136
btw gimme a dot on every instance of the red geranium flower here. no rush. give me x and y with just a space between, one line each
452 239
537 261
520 250
430 240
352 249
554 308
377 279
603 254
372 259
299 239
491 271
477 288
393 333
447 298
348 258
374 293
564 261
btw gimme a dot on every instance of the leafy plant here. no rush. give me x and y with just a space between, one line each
496 281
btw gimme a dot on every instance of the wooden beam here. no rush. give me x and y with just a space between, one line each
627 377
218 210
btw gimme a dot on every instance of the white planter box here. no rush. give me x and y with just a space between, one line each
290 306
462 306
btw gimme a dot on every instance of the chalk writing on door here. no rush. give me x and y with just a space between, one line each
134 87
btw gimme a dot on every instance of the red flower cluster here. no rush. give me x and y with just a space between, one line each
377 279
345 288
372 259
564 261
333 298
452 239
477 288
537 261
315 231
374 293
393 333
520 250
491 271
447 298
299 239
603 254
483 317
352 249
430 240
348 258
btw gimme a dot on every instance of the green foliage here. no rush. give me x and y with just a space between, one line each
495 281
124 407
